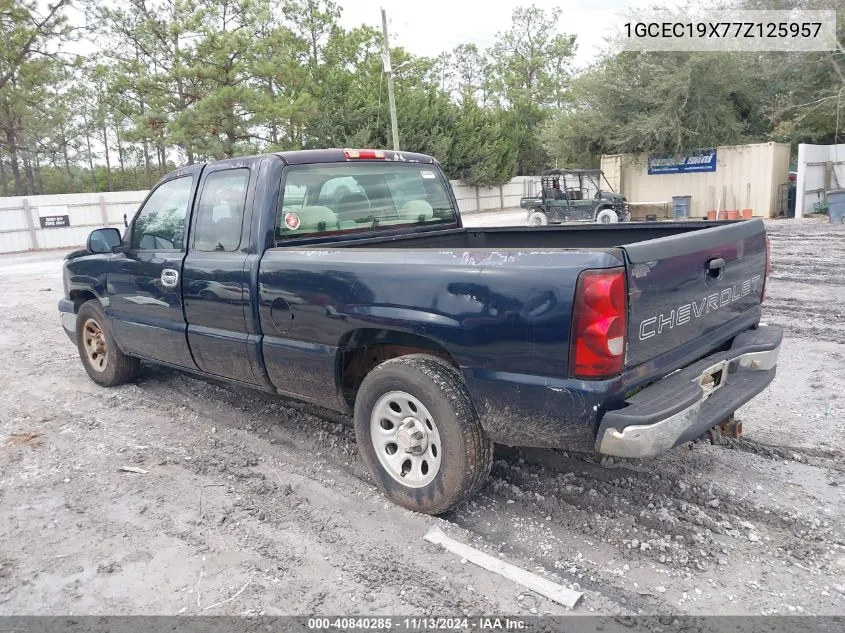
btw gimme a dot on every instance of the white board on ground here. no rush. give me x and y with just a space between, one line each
537 584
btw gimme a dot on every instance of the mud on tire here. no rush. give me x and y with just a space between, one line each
103 361
435 391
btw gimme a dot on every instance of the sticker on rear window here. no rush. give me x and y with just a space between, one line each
427 174
292 221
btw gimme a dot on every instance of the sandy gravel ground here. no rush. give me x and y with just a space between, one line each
253 505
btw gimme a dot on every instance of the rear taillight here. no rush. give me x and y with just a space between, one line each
768 268
599 323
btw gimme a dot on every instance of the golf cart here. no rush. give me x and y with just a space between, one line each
575 195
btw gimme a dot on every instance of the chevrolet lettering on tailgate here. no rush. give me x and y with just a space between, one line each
688 312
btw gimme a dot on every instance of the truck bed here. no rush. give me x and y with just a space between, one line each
674 303
504 297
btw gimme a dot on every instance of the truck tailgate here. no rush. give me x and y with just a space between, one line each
686 286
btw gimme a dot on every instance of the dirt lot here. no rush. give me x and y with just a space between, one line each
257 505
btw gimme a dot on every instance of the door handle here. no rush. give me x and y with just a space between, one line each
169 278
715 267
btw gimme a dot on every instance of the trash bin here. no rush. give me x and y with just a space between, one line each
790 200
681 206
836 206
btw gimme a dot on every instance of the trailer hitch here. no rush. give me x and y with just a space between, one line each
729 427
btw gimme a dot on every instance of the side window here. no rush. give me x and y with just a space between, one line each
220 212
161 223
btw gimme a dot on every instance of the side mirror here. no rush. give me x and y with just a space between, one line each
103 240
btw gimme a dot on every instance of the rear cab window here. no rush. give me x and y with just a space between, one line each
337 198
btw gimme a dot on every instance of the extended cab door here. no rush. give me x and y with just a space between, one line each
145 276
216 280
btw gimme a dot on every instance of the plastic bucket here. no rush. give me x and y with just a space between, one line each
747 214
681 206
836 206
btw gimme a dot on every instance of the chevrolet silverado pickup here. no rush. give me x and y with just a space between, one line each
346 278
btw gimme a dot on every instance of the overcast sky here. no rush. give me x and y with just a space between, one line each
429 27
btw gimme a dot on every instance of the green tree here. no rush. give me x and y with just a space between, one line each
29 56
529 75
531 59
484 148
225 110
673 102
636 102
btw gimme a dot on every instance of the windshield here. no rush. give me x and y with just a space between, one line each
331 198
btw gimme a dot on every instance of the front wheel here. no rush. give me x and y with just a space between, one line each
419 435
103 361
607 216
538 218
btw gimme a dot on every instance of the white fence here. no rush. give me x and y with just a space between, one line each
472 199
62 221
35 222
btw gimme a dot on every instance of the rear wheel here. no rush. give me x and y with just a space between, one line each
538 218
419 435
103 361
607 216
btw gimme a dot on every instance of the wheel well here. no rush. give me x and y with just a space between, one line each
362 350
79 297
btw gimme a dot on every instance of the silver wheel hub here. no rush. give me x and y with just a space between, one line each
405 439
412 437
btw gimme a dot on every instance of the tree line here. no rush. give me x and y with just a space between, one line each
110 96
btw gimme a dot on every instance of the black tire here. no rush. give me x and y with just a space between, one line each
108 368
467 452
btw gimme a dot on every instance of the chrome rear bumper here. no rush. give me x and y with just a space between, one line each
685 404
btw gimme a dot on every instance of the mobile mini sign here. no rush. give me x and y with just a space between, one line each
699 161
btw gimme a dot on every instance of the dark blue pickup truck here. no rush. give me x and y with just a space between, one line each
346 278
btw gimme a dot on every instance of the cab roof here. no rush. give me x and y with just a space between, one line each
305 156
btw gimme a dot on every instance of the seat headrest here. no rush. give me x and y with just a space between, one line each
311 217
